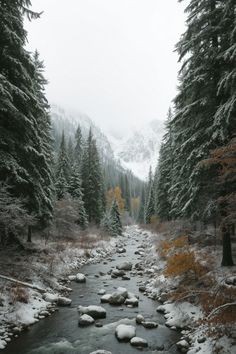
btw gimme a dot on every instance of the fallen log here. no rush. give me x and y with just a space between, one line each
24 284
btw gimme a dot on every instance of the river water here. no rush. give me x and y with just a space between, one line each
60 334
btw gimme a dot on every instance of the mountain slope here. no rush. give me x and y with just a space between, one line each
140 150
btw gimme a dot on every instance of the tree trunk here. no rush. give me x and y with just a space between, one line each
29 237
227 259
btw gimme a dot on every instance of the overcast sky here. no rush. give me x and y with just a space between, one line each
111 59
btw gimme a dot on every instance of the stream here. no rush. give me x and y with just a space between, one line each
60 333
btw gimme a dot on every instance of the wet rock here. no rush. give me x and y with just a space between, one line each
183 346
142 288
149 324
93 311
139 342
80 278
139 319
125 332
133 302
116 299
201 340
125 266
85 320
118 272
98 324
63 301
160 348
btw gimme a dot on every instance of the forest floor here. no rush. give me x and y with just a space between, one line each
185 277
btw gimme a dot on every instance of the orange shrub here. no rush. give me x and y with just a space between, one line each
179 242
183 262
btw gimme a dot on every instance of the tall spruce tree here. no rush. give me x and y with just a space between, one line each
24 122
63 170
116 225
78 151
75 190
92 181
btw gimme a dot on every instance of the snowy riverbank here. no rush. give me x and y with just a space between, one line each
47 267
180 297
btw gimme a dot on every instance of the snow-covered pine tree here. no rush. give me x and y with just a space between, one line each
148 193
142 206
92 181
150 205
163 175
78 150
75 190
194 124
63 170
116 225
23 114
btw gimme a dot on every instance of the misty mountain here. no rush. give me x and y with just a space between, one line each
139 151
68 121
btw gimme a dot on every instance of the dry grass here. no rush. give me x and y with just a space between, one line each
19 294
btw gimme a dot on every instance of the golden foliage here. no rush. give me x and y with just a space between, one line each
182 263
115 194
179 242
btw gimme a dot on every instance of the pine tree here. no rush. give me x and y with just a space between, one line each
62 170
24 122
150 206
92 181
163 179
75 190
116 224
78 150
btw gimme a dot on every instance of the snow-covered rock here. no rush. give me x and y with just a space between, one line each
139 319
86 320
133 301
183 344
139 342
63 301
119 296
102 292
125 332
125 266
101 352
50 297
93 311
121 250
105 298
80 278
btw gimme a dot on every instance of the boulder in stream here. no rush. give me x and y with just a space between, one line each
125 266
80 278
93 311
139 342
86 320
125 332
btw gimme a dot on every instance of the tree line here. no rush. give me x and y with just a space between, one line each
37 182
195 177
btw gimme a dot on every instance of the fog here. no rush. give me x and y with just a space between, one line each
111 59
